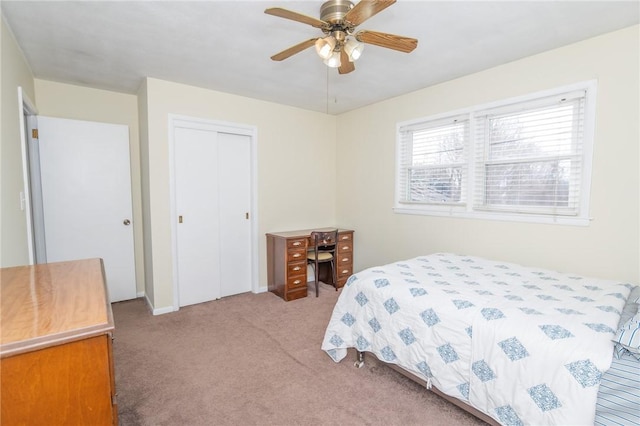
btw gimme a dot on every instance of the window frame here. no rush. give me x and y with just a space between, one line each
466 208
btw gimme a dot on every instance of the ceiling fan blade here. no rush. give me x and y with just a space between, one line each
294 49
295 16
390 41
346 66
365 10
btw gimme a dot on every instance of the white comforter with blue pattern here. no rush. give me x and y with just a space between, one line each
523 345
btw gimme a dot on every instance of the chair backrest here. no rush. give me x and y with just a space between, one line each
325 241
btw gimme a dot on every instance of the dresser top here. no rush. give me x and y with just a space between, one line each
50 304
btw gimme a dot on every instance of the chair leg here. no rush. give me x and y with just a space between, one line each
335 275
317 276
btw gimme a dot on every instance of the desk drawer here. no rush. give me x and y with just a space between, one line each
345 259
343 275
296 243
296 282
345 236
296 268
345 247
296 255
345 271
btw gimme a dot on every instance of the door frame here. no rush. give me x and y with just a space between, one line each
194 123
31 179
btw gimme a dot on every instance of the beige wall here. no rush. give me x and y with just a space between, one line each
83 103
607 248
15 72
296 167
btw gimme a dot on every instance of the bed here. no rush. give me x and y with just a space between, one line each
519 345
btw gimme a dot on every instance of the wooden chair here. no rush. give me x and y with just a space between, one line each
323 251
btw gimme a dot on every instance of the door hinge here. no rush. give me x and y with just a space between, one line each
34 133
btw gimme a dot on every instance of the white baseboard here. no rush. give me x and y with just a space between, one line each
158 311
169 309
161 311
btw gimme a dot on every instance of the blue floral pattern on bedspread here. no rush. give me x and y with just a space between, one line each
469 326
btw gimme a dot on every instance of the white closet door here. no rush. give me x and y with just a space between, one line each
196 188
234 195
86 196
212 177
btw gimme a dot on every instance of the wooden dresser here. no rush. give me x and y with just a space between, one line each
56 360
287 261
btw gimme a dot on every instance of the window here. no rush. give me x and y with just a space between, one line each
435 159
519 159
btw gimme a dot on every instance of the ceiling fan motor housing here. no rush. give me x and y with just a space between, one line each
334 10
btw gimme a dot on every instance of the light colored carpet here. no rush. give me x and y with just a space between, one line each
253 359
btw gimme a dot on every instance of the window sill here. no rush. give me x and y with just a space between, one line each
446 211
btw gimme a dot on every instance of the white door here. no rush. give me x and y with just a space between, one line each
195 156
212 178
86 196
234 196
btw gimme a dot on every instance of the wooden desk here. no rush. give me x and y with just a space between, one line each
56 357
287 261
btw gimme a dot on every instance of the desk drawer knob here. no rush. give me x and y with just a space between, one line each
297 243
345 259
344 271
297 255
296 282
297 268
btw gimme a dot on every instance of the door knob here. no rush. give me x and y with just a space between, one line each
127 222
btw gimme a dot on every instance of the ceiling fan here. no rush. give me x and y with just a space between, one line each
340 46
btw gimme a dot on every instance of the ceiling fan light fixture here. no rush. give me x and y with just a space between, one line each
333 61
325 46
354 49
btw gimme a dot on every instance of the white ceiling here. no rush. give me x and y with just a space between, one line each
226 45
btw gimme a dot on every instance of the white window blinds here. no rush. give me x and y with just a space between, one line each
528 156
518 159
434 161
